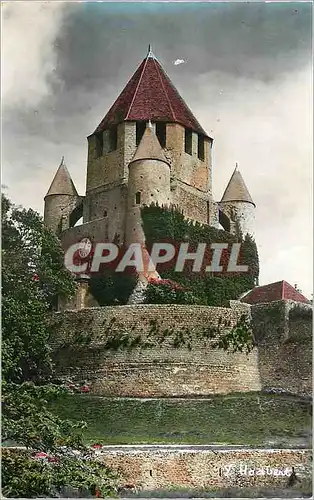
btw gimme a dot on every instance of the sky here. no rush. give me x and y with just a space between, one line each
246 76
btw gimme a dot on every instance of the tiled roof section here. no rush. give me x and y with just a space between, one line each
62 182
236 189
281 290
149 148
150 95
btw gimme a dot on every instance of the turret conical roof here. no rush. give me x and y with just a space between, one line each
62 182
150 95
236 189
149 148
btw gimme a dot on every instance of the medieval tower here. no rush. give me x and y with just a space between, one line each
149 148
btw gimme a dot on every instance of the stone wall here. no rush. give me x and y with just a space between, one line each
152 350
217 468
195 204
164 350
284 345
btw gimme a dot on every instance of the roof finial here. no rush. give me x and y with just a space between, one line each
150 124
150 52
236 167
62 162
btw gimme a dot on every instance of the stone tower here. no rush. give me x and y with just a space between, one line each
148 148
60 200
149 95
237 207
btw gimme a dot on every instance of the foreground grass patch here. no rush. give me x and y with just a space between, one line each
241 419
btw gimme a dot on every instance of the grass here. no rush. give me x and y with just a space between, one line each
249 419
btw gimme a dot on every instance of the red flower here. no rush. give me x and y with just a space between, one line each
40 455
84 388
53 459
98 493
166 282
96 446
35 277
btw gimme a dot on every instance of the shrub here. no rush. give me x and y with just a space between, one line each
167 291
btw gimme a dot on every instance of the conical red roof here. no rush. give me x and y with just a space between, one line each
150 95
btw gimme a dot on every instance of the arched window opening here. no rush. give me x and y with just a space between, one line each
138 198
79 222
76 216
105 213
224 221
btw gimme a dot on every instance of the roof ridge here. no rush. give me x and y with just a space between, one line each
162 84
137 86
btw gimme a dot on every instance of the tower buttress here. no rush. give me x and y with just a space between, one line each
149 182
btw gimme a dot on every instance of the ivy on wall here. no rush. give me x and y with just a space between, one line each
236 338
216 289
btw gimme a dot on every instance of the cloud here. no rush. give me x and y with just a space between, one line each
179 61
28 57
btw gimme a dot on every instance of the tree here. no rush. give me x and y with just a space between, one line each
33 276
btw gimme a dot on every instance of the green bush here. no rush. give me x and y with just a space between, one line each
168 292
54 476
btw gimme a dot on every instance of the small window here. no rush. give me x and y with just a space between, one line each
138 198
200 147
140 129
113 138
99 144
188 141
105 213
161 129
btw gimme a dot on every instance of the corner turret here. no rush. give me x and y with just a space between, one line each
236 208
60 200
